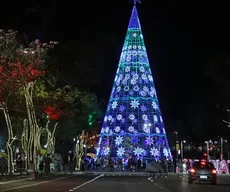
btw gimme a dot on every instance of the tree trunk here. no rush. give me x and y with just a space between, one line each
10 159
24 142
52 140
11 138
32 119
50 143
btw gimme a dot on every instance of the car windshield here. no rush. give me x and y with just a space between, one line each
203 165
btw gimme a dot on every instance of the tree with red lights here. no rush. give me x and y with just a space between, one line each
10 82
20 67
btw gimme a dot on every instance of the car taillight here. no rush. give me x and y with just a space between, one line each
213 171
192 170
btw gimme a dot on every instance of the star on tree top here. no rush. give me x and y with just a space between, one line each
136 1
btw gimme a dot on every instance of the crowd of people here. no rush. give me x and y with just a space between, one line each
3 166
46 164
131 164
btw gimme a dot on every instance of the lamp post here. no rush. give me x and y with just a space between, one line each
221 148
176 143
182 149
207 145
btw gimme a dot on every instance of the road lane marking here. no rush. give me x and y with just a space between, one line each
88 182
34 184
15 181
156 184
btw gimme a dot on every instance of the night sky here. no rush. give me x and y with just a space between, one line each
181 37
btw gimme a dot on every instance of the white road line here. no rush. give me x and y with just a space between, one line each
156 184
31 185
88 182
15 181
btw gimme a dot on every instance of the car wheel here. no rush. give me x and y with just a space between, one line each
213 182
190 181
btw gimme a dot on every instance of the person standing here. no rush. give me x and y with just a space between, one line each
47 162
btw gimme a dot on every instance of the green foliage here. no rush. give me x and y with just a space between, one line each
76 105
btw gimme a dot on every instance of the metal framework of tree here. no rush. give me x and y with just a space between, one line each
133 125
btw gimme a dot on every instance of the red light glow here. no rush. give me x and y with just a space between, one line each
192 171
213 171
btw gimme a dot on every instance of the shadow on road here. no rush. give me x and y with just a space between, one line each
218 184
223 184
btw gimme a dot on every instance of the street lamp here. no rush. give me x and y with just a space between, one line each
84 149
182 149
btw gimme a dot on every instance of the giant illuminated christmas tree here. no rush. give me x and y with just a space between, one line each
133 125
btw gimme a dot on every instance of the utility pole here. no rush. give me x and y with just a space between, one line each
221 148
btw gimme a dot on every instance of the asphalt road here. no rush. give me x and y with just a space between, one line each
174 183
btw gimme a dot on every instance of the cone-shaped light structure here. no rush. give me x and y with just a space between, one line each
133 126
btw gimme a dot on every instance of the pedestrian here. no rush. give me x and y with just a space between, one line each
47 165
139 165
41 168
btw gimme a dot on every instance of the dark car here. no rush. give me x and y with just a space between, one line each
202 171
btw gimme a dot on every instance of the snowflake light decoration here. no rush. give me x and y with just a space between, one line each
145 117
131 129
143 108
106 130
131 117
110 117
135 104
122 108
154 105
149 140
120 151
119 117
114 105
154 152
138 151
117 129
118 140
146 128
158 130
106 150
